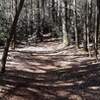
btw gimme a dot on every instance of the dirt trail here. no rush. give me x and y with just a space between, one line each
45 73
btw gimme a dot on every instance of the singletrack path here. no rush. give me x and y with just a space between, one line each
50 72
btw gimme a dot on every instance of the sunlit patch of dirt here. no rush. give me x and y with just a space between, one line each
50 72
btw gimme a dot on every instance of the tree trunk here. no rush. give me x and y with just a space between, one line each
31 18
53 11
43 15
75 25
13 43
85 38
38 31
87 27
13 29
64 23
97 19
85 35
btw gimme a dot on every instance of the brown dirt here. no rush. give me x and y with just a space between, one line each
50 73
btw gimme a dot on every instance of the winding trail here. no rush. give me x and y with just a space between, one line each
50 73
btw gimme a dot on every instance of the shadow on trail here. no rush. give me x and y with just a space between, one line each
39 76
63 84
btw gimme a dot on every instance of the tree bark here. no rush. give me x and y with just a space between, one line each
87 28
75 25
97 19
13 43
12 32
64 23
39 35
85 35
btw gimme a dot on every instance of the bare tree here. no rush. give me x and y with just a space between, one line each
13 42
64 22
11 34
75 24
97 19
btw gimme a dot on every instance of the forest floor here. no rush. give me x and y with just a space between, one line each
50 72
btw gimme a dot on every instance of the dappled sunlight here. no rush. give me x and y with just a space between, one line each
53 84
56 76
94 88
35 49
49 50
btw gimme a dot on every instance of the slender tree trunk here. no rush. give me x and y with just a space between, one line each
85 38
60 16
64 23
85 35
87 27
13 28
26 19
31 18
43 14
39 35
13 44
75 25
97 19
53 10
